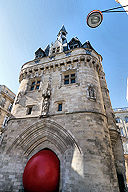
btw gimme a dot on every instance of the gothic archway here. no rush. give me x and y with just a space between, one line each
40 132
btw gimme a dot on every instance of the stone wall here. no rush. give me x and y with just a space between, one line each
80 141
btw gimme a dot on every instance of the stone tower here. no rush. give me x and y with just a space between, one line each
63 106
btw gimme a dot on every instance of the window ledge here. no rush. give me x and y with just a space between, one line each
70 85
33 91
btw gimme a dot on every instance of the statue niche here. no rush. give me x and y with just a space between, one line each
91 93
46 101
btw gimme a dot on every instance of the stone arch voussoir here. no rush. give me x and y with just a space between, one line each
41 132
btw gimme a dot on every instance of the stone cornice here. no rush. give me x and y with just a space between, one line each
57 64
58 114
63 55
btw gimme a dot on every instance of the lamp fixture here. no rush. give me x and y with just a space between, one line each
95 17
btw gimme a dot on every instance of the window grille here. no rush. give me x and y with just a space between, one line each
35 85
69 79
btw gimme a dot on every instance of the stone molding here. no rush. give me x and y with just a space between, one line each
39 69
62 113
42 131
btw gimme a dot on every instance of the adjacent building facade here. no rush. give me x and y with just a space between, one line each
62 113
6 101
121 115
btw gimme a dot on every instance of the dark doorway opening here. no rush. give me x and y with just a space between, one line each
121 182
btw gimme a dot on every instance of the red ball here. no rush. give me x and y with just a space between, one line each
42 172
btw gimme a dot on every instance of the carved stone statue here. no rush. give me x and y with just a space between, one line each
2 102
46 101
91 92
45 107
20 94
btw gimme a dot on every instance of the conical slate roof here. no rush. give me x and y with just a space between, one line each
63 30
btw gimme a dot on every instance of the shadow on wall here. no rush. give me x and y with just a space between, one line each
121 182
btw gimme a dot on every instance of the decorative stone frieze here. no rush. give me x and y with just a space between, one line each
37 71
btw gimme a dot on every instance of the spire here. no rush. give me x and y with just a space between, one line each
62 30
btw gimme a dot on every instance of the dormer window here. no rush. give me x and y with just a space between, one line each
75 46
74 43
39 53
53 51
58 49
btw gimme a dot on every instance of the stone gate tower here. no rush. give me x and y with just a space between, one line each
63 106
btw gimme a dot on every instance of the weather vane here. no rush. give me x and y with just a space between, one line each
95 17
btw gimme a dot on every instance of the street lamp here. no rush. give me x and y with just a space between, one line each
95 17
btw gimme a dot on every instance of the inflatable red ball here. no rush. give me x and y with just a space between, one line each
42 172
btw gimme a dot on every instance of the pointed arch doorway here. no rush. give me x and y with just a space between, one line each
42 172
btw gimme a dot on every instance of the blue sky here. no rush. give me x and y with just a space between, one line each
26 25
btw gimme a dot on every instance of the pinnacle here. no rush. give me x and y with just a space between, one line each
62 30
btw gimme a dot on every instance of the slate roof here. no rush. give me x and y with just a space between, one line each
71 45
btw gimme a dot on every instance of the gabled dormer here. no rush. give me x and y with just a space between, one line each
39 53
74 43
47 50
87 44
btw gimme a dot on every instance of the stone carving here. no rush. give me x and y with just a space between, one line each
46 101
19 96
91 92
2 102
88 58
36 74
2 130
